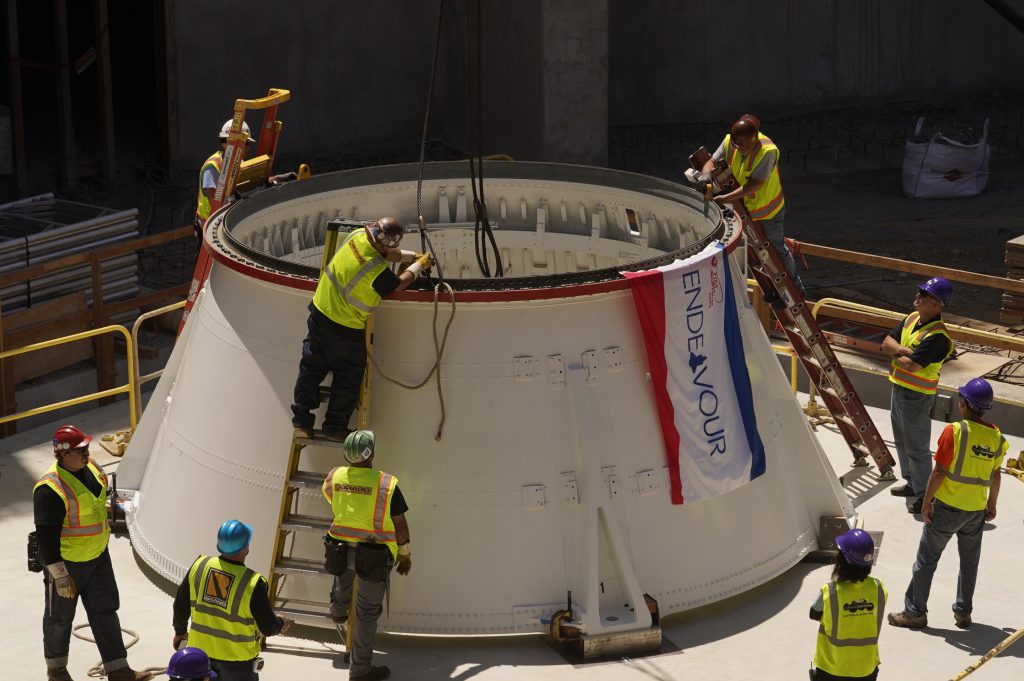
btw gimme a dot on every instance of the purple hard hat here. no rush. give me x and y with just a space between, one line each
190 663
977 393
857 547
938 288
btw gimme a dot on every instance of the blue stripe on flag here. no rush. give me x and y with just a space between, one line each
740 377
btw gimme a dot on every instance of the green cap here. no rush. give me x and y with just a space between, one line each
359 446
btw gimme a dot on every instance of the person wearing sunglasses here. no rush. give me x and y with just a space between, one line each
354 283
70 513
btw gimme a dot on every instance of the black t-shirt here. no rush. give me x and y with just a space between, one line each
398 505
385 283
932 349
48 511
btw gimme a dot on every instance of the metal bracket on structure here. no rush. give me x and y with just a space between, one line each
612 615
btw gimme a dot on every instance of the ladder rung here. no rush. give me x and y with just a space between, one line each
861 448
301 615
294 522
319 440
307 480
847 420
300 566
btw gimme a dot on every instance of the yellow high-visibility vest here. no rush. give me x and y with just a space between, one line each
345 292
85 531
768 200
978 451
850 624
927 379
216 161
222 623
361 501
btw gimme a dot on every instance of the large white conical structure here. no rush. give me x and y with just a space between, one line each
549 476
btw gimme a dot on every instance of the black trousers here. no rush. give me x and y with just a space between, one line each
94 580
329 347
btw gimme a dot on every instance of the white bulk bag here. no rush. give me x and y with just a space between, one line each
943 168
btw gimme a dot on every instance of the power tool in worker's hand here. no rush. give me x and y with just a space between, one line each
719 177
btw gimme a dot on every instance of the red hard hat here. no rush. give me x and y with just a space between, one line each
70 437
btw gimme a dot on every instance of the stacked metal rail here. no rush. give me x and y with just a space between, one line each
43 228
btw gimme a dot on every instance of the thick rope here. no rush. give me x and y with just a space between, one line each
435 370
97 671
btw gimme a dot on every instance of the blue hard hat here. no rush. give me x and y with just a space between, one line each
938 288
977 393
857 547
233 536
189 663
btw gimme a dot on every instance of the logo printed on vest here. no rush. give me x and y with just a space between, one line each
217 588
355 250
859 605
982 451
353 489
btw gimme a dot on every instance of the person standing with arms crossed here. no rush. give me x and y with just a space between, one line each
918 346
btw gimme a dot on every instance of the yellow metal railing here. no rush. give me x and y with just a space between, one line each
793 365
127 388
139 380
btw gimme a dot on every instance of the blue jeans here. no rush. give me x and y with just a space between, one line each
911 414
947 521
773 231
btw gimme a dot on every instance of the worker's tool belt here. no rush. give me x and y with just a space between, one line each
335 556
373 562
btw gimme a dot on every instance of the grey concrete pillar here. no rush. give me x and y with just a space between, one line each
574 40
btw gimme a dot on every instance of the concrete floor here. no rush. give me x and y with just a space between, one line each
762 634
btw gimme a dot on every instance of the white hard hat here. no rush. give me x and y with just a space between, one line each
225 129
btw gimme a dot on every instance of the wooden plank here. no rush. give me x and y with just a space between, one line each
166 296
913 267
38 324
103 346
67 166
112 251
17 102
43 313
108 160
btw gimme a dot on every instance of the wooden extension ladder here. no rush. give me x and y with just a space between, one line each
826 374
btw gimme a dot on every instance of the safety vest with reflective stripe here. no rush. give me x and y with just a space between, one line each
220 593
978 451
345 292
768 199
361 501
85 530
927 379
850 624
215 162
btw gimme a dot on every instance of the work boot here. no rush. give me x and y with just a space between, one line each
962 619
58 674
908 620
129 674
371 674
336 435
915 506
902 491
302 432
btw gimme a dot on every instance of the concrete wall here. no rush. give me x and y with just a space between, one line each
358 71
696 60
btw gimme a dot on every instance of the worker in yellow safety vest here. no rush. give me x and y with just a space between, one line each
229 605
353 284
369 534
961 495
754 161
850 610
918 346
209 174
70 513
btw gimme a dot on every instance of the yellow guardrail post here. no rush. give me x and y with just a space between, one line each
139 379
127 388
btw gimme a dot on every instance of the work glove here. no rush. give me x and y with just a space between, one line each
426 260
404 564
286 624
62 581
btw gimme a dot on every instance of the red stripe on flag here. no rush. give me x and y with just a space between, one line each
648 290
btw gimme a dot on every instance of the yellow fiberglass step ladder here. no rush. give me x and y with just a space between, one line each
825 372
290 522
